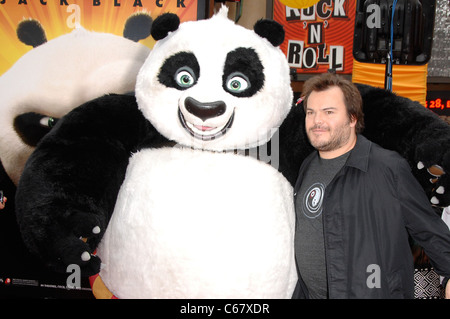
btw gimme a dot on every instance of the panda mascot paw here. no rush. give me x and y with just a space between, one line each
185 191
432 158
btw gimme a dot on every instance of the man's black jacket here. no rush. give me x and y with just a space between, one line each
369 208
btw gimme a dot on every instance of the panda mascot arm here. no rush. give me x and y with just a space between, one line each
416 133
69 185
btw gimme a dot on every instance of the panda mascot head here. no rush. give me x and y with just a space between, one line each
59 75
214 85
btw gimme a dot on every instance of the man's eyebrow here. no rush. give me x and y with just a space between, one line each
326 108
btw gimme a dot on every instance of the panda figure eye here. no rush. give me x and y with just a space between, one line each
237 82
184 77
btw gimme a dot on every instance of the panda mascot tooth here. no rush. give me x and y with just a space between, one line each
197 220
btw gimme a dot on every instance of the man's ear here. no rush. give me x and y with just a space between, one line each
353 121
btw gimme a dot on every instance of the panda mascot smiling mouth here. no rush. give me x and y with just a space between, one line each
207 113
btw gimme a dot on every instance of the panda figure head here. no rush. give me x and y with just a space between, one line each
59 75
214 85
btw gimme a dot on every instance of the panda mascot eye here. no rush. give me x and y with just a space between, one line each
243 73
180 71
237 82
185 77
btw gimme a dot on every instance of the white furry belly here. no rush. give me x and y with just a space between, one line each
193 224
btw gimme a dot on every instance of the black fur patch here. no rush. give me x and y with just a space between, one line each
165 23
29 128
175 63
271 30
247 62
31 33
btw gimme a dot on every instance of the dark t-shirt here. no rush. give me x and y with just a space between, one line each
309 241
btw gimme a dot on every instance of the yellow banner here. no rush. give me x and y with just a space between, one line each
59 17
407 80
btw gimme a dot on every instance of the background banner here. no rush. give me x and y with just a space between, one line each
64 54
320 37
59 17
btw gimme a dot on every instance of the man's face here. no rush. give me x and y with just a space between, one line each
327 123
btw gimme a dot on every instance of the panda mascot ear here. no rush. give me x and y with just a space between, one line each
164 24
270 30
31 33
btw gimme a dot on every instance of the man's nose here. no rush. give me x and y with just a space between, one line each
318 118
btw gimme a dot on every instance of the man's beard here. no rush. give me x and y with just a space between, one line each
338 138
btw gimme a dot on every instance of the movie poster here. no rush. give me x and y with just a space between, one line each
320 37
59 17
42 81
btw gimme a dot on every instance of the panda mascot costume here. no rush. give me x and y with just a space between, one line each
186 190
54 77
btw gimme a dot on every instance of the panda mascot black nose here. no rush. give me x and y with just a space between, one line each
204 111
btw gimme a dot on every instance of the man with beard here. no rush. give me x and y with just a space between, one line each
355 204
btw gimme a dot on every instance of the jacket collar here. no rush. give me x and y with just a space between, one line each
359 156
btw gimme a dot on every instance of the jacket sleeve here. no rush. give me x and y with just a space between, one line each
422 223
